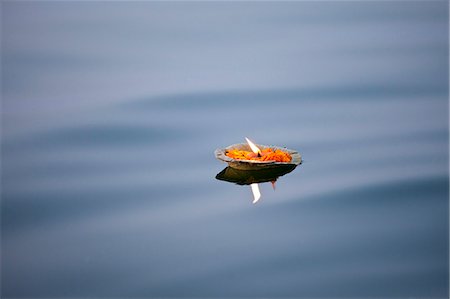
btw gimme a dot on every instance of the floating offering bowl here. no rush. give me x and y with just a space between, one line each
253 163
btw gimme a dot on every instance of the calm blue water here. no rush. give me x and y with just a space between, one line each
111 113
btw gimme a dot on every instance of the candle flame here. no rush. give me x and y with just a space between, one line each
254 148
256 193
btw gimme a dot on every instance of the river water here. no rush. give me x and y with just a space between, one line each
111 113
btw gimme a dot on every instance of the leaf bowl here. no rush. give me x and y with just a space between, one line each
254 164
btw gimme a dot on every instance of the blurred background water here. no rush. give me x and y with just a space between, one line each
111 112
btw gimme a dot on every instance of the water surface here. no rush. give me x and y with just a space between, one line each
112 112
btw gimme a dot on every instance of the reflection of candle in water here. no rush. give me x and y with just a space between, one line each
256 193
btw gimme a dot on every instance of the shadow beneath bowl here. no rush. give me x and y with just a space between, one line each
248 177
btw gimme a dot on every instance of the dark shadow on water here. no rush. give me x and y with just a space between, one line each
254 177
247 177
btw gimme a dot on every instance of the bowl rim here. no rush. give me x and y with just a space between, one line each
220 154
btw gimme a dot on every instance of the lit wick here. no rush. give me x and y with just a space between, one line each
254 148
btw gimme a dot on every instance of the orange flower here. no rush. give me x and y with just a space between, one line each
267 154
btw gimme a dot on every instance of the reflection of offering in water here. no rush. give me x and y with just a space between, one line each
251 156
253 177
248 177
